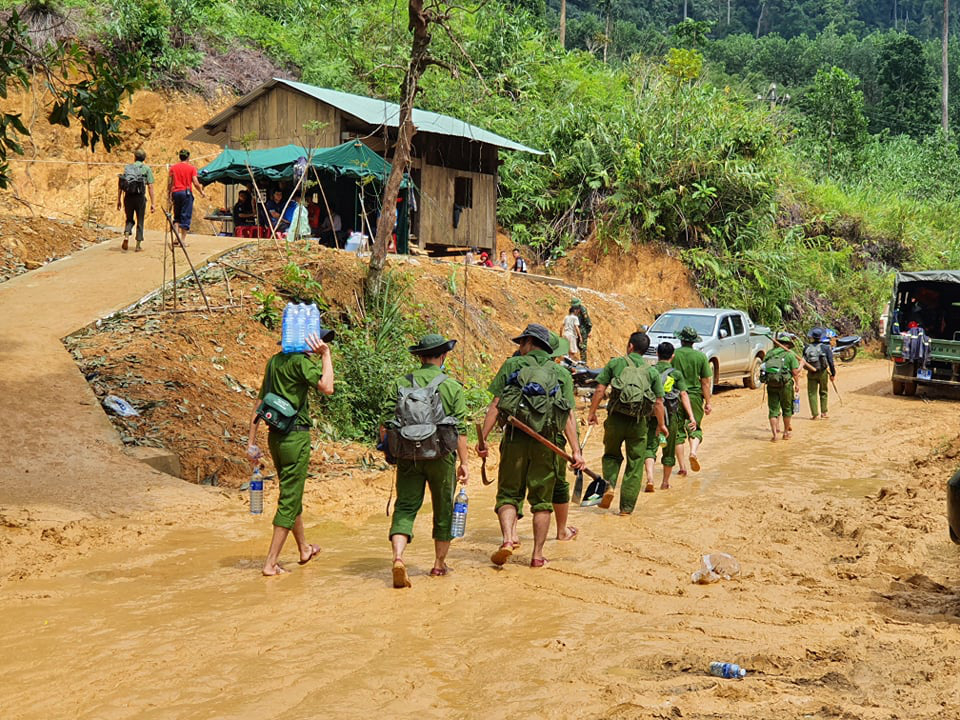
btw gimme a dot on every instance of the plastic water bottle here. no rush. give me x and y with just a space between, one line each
460 513
313 319
662 439
727 670
256 492
796 404
286 334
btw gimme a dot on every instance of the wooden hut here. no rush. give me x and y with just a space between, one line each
454 164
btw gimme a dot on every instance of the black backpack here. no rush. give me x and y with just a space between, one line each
133 181
671 396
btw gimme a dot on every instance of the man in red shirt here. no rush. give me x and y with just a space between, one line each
180 184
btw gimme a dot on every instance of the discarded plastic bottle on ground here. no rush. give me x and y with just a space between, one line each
727 670
714 567
256 492
460 513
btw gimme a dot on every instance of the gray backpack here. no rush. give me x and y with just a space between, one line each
421 428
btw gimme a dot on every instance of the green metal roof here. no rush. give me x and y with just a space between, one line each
371 111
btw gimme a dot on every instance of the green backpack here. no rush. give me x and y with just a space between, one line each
534 396
632 391
774 371
671 396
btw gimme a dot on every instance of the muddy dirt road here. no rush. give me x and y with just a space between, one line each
848 606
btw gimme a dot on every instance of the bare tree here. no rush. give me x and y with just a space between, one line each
563 23
945 95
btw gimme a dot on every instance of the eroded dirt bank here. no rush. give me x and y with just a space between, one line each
848 606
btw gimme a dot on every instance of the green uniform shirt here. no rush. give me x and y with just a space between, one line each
693 366
291 377
616 365
679 384
515 362
586 325
791 363
149 174
451 395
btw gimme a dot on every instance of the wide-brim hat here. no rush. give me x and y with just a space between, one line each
575 302
559 345
688 334
815 333
784 338
538 333
432 344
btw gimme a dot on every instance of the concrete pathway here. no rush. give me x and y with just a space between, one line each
60 458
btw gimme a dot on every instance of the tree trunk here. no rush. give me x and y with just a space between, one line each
606 35
728 12
684 9
563 23
763 7
419 23
945 99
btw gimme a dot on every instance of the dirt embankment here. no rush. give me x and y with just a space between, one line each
193 376
26 243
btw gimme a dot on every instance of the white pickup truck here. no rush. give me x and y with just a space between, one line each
730 340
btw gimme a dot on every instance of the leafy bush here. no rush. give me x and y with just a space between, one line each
268 315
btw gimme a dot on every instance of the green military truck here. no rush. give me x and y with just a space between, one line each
923 331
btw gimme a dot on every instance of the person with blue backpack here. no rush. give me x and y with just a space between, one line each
425 430
818 354
532 388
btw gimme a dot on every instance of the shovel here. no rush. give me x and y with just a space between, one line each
578 485
595 490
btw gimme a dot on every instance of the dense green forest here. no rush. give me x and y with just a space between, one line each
792 168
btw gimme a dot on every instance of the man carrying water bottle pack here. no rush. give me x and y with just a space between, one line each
291 376
425 430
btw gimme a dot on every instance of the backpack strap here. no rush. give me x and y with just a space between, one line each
436 382
412 381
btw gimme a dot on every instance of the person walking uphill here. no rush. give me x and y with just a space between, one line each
180 184
287 381
533 388
819 354
636 395
586 325
779 372
697 373
425 428
679 414
133 186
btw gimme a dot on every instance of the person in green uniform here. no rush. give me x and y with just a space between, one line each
780 395
527 468
440 473
673 387
291 376
586 325
621 431
818 380
697 373
561 490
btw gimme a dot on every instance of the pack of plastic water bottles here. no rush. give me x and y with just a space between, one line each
299 321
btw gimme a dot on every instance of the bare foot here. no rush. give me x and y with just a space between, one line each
274 570
824 417
773 439
815 417
665 485
570 534
787 435
681 471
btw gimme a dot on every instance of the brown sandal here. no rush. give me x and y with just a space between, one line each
400 578
502 554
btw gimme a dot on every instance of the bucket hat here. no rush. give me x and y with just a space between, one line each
538 333
559 345
575 302
688 334
432 344
816 333
785 338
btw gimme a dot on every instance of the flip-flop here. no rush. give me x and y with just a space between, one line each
400 579
538 562
694 463
573 534
314 551
516 545
681 472
440 572
606 500
664 486
502 554
648 487
788 435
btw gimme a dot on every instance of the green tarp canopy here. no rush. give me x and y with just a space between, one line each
353 159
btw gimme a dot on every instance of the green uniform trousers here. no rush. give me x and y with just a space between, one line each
669 454
780 400
561 489
818 385
527 468
412 478
622 430
583 347
696 404
291 458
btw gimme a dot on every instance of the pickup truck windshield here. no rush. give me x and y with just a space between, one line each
675 322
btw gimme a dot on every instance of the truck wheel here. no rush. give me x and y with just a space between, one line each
897 387
909 389
752 380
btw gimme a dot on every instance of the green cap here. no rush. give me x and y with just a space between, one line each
688 334
575 302
432 344
559 345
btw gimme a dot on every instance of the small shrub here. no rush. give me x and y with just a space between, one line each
268 315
